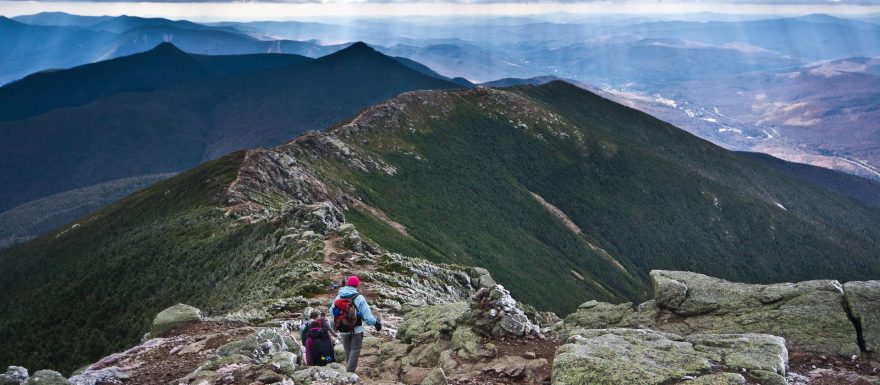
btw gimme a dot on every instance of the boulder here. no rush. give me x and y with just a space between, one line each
283 362
261 345
430 322
173 318
481 278
516 324
625 356
494 312
599 315
744 351
109 375
47 377
15 375
863 300
435 377
811 315
333 374
647 357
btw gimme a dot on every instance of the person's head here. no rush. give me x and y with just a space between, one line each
323 315
353 281
314 314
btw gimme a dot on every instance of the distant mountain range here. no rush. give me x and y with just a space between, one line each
165 110
705 77
563 194
51 41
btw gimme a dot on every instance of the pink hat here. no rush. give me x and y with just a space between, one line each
354 281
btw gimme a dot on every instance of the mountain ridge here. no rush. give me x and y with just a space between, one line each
190 122
479 177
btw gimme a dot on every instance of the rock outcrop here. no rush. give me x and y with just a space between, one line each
648 357
47 377
811 315
808 314
462 340
495 313
174 317
14 375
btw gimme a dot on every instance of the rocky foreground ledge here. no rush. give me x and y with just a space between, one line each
697 330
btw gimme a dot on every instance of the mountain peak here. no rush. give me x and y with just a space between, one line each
357 52
359 47
166 47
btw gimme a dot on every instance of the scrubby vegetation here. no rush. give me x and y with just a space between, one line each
81 292
649 194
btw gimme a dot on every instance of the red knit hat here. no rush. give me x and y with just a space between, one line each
353 281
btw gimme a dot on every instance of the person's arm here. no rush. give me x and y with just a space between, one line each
364 309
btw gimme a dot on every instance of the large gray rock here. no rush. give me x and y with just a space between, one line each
47 377
173 318
744 351
481 278
599 315
14 375
863 299
647 357
431 322
333 374
494 312
111 375
261 345
810 315
625 356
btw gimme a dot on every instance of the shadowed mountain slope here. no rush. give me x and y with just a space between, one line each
183 123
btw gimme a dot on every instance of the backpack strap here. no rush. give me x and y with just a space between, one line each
352 298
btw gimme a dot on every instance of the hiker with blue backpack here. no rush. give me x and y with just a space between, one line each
350 311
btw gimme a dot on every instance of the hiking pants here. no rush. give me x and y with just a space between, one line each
352 345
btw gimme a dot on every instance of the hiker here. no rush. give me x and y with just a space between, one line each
319 347
316 316
350 310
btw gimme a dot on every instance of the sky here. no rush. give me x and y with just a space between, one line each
298 9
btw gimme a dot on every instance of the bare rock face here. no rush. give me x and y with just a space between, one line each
648 357
863 299
625 356
811 315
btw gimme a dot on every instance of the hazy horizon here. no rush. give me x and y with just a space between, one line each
346 9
